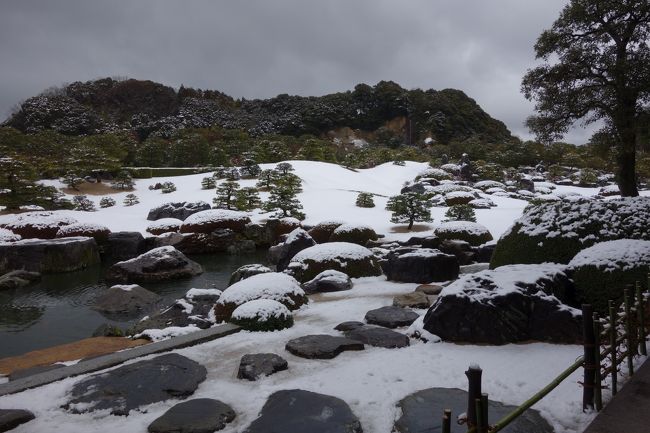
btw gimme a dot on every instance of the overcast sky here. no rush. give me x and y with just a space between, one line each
260 48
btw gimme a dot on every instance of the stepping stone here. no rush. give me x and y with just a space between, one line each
202 415
253 366
391 317
134 385
321 346
298 411
429 289
379 337
12 418
349 326
412 300
422 412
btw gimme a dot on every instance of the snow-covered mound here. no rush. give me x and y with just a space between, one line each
208 221
602 271
262 315
474 233
8 236
351 259
43 225
355 233
556 231
164 225
276 286
97 231
488 184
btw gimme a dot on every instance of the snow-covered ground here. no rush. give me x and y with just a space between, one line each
329 192
370 381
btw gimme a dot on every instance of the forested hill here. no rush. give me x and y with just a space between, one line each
383 113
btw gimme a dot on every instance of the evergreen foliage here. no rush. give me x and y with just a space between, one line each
131 199
82 203
106 202
247 199
226 193
460 212
365 199
123 181
208 183
410 207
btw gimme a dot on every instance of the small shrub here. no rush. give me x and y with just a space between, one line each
399 162
71 180
82 203
106 202
208 183
365 199
131 199
123 181
168 187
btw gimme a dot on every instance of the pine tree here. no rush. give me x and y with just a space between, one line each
283 198
232 174
106 202
225 198
250 169
266 179
247 199
72 180
365 199
18 187
409 208
131 199
284 168
168 187
82 203
208 183
123 181
460 212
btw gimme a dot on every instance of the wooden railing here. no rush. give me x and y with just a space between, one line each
608 342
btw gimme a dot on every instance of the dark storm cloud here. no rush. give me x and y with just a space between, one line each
260 48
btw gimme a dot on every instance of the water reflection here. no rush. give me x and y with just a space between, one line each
57 310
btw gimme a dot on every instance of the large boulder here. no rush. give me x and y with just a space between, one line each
328 281
418 413
322 232
125 245
208 221
201 415
49 255
90 230
602 271
420 265
8 236
126 301
298 411
280 255
36 225
275 286
134 385
507 305
164 225
277 227
177 210
354 260
557 231
473 233
218 241
358 234
159 264
247 271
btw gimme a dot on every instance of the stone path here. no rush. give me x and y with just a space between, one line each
107 361
629 410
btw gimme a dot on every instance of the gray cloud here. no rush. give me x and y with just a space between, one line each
260 48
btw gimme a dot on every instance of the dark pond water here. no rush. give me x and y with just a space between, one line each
57 310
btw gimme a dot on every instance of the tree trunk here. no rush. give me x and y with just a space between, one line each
410 225
626 158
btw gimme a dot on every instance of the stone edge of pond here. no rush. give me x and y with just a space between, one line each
113 359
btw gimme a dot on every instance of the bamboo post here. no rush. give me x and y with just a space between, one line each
589 342
484 413
446 421
640 311
473 374
479 416
612 344
598 398
628 331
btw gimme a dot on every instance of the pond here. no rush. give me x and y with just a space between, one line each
57 310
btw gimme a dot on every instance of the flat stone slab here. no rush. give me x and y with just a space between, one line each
134 385
254 366
378 336
321 346
429 289
349 326
201 415
298 411
12 418
391 317
422 412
